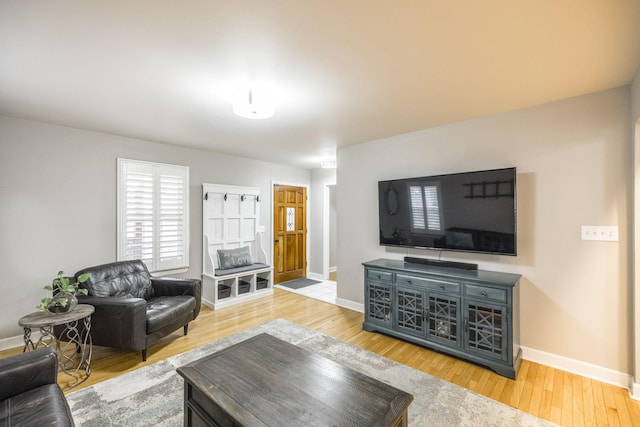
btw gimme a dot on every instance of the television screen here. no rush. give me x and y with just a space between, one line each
470 211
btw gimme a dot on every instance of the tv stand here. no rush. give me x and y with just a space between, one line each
441 263
470 314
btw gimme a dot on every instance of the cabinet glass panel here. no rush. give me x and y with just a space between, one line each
486 330
443 319
410 311
379 303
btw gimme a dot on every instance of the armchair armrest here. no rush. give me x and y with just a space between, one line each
118 322
26 371
171 286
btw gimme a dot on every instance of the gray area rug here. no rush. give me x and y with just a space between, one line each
299 283
153 395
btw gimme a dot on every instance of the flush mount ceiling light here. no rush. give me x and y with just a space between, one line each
254 103
329 164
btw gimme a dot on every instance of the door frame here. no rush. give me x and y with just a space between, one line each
306 204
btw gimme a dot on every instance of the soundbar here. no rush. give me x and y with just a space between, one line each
440 263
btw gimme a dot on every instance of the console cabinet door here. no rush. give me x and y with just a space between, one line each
378 303
443 316
411 311
486 329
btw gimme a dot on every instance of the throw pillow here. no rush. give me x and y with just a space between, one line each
232 258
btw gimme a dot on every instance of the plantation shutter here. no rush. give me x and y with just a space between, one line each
432 203
417 208
153 214
426 215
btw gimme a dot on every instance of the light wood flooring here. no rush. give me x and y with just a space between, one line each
563 398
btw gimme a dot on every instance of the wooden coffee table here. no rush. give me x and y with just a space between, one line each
264 381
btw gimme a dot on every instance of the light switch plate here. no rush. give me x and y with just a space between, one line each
602 233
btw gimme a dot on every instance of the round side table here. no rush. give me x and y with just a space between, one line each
72 343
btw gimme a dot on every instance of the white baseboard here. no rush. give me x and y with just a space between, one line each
315 276
579 367
208 303
355 306
333 269
17 341
634 389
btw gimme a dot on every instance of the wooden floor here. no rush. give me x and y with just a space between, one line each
558 396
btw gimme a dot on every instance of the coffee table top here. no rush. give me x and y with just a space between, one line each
266 381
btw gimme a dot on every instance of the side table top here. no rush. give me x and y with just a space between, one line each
38 319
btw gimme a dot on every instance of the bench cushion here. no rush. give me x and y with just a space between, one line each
243 269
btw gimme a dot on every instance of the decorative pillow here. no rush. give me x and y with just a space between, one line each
232 258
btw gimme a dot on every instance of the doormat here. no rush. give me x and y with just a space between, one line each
299 283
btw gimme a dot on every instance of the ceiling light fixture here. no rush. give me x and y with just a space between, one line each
329 164
254 103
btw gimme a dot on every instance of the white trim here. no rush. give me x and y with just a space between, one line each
326 232
17 341
316 276
578 367
634 389
238 299
351 305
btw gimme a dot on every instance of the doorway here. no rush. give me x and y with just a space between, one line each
289 232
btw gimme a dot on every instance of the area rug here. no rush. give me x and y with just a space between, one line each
299 283
153 395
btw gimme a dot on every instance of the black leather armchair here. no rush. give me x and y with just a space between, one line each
29 393
134 309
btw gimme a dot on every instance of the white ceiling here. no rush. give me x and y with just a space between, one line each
346 71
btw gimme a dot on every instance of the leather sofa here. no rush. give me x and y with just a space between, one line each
133 309
29 392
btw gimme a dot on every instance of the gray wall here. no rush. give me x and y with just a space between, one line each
574 168
58 202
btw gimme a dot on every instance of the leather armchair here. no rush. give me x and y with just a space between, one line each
29 392
133 309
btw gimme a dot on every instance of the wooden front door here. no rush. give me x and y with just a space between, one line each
289 232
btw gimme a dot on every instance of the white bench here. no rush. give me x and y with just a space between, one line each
223 287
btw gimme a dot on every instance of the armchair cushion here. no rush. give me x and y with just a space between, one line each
162 311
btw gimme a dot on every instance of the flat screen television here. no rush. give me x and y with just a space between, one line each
469 212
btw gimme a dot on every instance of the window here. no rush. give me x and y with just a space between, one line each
153 214
426 214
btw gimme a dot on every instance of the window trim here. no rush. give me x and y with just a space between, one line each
155 265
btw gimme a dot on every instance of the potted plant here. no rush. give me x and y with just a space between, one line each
64 293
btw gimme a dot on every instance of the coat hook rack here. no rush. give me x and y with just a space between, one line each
245 196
